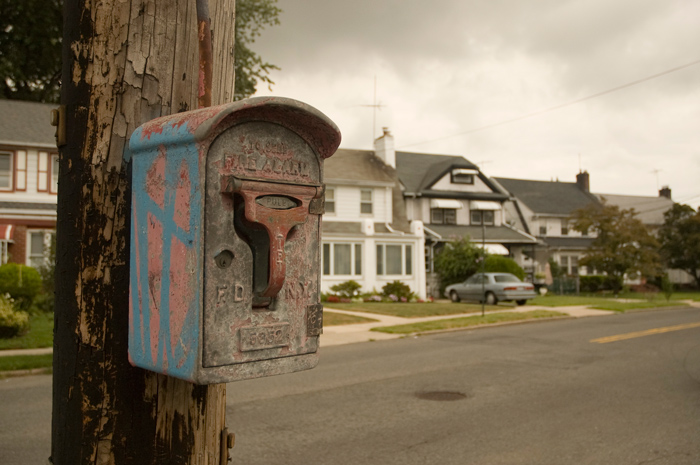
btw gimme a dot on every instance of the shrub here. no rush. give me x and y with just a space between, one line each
346 289
396 290
12 322
333 299
666 287
501 264
22 282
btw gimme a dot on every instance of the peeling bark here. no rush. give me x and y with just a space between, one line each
124 64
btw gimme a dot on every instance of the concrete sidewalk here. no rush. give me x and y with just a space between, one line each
347 334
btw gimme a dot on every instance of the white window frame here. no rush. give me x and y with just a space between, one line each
366 203
328 258
11 155
329 200
43 257
569 263
407 268
53 173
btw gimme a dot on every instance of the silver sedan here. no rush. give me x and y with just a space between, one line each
492 288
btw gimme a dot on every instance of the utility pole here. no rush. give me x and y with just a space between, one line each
124 63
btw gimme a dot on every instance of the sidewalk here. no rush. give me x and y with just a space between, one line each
347 334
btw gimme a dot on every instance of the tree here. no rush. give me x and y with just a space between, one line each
457 261
501 264
623 245
30 49
104 410
252 16
680 240
31 41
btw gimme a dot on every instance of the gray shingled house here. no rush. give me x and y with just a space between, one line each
28 181
544 209
453 199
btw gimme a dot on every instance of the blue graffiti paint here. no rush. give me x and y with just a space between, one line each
180 148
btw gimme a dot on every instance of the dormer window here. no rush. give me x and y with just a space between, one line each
6 170
330 200
463 176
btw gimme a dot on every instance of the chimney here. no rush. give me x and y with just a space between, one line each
384 148
583 181
665 192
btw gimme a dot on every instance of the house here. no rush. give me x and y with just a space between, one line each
544 209
28 181
453 199
366 235
649 210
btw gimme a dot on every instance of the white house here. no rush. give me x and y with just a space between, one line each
28 181
366 236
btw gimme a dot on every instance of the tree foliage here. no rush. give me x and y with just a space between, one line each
30 49
501 264
31 36
680 239
252 16
457 261
623 244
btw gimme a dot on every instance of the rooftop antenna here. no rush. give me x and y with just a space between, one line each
656 172
374 106
481 163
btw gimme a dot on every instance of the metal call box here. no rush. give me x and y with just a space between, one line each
225 234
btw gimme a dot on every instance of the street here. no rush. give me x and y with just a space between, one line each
542 393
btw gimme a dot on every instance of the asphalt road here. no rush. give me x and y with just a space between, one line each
528 394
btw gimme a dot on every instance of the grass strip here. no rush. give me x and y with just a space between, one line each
25 362
624 306
465 322
339 319
414 310
39 335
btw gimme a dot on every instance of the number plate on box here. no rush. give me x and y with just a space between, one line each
264 337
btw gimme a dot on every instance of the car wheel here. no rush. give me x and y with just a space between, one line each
453 296
521 302
491 299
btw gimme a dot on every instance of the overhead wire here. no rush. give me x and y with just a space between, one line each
556 107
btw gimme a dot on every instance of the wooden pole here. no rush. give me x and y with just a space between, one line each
124 63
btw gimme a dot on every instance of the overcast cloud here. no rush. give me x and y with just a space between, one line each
445 67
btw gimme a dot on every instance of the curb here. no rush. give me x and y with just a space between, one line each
32 371
484 326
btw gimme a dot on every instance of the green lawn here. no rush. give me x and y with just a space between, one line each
414 310
624 306
337 319
465 322
25 362
40 334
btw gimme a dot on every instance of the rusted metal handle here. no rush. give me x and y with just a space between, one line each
287 206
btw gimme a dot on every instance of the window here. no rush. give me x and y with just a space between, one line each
564 228
342 259
366 201
394 259
462 176
38 245
569 264
543 230
443 216
6 159
330 200
42 172
54 174
584 232
487 216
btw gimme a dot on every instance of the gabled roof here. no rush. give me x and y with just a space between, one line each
502 234
357 165
26 123
419 171
365 168
649 210
548 197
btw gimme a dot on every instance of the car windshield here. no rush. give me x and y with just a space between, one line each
506 278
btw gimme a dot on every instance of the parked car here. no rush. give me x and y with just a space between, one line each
492 288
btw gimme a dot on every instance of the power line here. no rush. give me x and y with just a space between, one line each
557 107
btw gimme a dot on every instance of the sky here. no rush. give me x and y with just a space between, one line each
451 75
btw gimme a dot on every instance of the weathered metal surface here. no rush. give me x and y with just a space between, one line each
225 247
